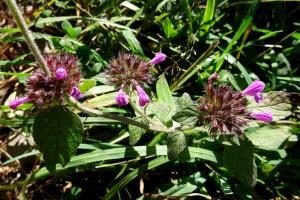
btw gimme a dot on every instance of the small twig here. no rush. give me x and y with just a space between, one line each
12 5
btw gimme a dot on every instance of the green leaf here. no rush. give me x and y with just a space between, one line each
177 148
86 85
208 16
183 102
162 111
72 32
163 92
187 117
132 175
133 42
278 102
102 100
239 160
269 137
57 131
168 28
243 27
125 152
135 133
186 113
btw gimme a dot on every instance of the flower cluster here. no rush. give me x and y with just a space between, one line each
130 72
225 110
49 90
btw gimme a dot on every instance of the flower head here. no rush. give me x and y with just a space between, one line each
130 72
122 98
222 109
262 116
255 90
17 102
159 57
143 97
49 90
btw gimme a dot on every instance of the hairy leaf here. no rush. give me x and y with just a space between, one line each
57 131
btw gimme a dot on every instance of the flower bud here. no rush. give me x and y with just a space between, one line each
262 116
60 73
17 102
75 92
143 97
122 98
255 90
159 57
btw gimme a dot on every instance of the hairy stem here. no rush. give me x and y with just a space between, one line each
12 5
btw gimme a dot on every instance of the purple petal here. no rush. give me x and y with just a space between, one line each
159 57
15 103
122 98
258 97
143 97
61 73
75 92
253 89
262 116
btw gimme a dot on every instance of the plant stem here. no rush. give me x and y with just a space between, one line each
138 110
126 120
12 5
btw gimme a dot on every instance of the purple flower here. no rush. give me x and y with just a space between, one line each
15 103
159 57
60 73
122 98
262 116
255 90
143 97
75 92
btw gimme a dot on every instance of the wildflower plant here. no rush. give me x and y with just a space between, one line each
53 88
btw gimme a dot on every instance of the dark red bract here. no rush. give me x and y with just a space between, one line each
223 109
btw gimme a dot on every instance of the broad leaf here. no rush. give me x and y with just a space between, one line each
269 137
177 147
162 111
135 133
57 131
239 160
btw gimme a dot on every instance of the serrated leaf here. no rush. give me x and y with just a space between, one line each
135 133
277 102
270 137
57 131
239 160
86 85
177 148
